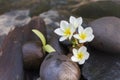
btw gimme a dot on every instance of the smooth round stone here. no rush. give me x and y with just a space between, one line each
32 55
11 60
101 66
107 34
59 67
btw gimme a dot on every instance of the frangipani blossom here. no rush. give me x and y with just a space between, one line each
66 30
84 35
75 21
80 55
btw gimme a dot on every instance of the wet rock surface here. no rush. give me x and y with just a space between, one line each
101 66
107 34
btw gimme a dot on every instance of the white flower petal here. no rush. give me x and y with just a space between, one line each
82 41
82 49
75 21
90 37
81 61
76 36
70 36
75 52
63 24
79 21
86 55
72 28
62 38
80 29
58 31
76 24
88 30
74 59
72 19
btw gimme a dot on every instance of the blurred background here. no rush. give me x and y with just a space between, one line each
84 8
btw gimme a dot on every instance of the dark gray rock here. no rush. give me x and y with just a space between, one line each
96 8
32 55
59 67
101 66
107 34
11 62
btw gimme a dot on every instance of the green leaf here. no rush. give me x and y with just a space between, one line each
48 48
40 35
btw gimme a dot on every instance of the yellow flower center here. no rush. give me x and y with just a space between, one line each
83 36
80 55
67 32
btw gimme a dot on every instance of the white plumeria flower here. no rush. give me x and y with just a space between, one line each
75 21
80 55
84 35
66 30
